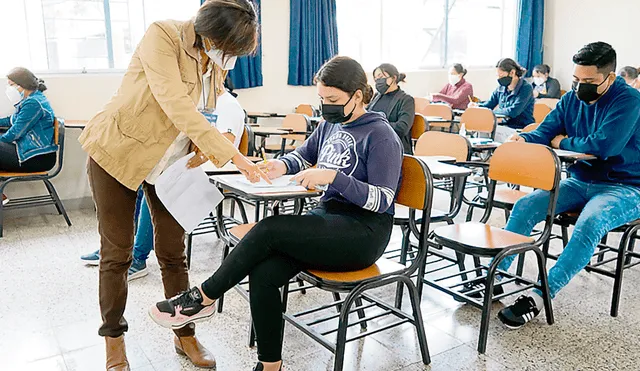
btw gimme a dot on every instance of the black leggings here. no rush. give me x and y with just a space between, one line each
9 160
332 237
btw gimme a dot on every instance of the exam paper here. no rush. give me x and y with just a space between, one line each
187 193
282 184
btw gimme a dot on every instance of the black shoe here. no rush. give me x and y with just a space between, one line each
519 313
180 310
472 286
260 367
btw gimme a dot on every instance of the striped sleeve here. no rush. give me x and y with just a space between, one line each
304 156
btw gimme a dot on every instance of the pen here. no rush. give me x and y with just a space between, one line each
470 100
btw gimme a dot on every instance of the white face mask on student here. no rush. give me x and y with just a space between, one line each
538 81
14 95
216 56
454 79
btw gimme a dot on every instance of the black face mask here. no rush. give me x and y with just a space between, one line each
381 85
334 113
505 81
587 92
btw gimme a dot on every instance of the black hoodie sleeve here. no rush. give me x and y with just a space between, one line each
406 109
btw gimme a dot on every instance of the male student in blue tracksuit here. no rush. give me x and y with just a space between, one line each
600 116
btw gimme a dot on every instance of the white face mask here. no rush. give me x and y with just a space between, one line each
454 79
538 81
13 94
216 57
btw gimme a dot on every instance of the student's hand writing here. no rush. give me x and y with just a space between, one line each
311 178
249 169
472 104
516 138
555 143
197 160
273 168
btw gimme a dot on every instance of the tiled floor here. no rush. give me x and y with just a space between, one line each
49 318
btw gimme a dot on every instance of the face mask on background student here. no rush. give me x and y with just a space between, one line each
538 80
454 79
14 95
381 85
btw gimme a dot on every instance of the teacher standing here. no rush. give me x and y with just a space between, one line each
151 122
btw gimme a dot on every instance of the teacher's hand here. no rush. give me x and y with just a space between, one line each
273 168
250 170
197 160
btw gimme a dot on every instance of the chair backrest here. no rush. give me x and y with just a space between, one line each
419 126
305 109
299 123
540 111
528 165
420 104
416 193
479 120
58 139
531 127
440 110
437 143
562 92
243 147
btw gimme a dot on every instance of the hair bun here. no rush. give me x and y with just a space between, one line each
41 85
402 77
367 95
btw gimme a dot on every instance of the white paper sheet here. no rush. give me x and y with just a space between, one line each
187 193
282 184
565 153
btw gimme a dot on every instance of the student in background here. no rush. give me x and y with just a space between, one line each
27 144
513 98
348 230
398 106
600 116
457 92
630 76
545 86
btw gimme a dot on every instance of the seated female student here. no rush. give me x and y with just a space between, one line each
458 92
513 98
543 85
397 105
630 76
27 146
359 158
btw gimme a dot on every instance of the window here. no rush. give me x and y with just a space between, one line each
79 35
423 34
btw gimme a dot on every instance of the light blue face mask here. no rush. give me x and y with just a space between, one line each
15 96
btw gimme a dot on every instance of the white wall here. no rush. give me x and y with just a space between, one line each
79 97
570 24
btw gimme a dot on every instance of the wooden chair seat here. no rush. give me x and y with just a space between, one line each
476 236
505 196
278 147
239 231
14 175
381 267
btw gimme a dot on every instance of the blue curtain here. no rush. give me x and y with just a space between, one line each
530 32
313 38
247 72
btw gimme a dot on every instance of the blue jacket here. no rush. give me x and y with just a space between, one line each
366 153
30 127
608 129
516 104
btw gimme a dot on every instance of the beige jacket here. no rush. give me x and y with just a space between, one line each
156 100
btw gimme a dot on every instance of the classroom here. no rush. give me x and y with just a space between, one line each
314 185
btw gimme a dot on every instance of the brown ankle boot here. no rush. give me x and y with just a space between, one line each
116 354
191 348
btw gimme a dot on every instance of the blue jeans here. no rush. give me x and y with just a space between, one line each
143 243
605 206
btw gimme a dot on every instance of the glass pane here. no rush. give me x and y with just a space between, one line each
477 34
355 39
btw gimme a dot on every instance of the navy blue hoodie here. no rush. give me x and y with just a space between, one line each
608 129
366 154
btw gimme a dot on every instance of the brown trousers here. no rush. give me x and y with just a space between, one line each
115 205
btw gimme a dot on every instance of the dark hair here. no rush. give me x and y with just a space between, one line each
232 26
508 65
347 75
459 69
26 79
392 71
630 72
542 68
599 54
